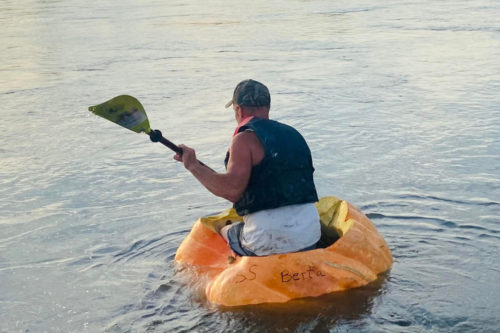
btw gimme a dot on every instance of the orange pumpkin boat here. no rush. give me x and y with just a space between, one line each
351 254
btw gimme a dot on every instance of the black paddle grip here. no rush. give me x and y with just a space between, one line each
156 136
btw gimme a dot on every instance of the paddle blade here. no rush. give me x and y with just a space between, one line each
125 111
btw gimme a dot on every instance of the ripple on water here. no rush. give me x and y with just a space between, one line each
417 317
399 102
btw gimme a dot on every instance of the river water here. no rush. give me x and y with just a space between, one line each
399 102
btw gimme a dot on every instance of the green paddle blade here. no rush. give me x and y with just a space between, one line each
125 111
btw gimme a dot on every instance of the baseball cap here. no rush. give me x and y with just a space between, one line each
250 93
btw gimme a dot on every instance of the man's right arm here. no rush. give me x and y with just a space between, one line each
229 185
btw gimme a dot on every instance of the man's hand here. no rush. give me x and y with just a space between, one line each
188 157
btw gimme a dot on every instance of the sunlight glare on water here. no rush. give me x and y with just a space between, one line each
398 100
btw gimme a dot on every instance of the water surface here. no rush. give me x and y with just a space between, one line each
399 102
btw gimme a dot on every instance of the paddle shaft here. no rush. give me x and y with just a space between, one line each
156 136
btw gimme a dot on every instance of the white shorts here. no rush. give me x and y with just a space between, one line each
281 230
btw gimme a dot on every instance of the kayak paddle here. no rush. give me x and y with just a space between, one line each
128 112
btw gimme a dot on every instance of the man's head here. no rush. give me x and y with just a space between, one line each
251 94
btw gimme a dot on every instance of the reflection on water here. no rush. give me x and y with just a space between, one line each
398 101
311 314
317 314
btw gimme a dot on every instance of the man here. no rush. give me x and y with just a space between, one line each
269 179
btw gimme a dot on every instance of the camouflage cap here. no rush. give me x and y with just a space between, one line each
250 93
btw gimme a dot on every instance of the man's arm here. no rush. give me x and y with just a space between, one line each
229 185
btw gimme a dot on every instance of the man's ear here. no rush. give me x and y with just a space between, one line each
243 112
240 111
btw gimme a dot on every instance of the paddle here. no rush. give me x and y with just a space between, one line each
128 112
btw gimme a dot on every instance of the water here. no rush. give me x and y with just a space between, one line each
399 101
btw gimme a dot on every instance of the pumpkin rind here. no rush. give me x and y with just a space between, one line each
354 260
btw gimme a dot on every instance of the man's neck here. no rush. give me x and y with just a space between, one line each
262 112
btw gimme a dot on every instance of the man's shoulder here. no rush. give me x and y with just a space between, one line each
249 141
244 138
